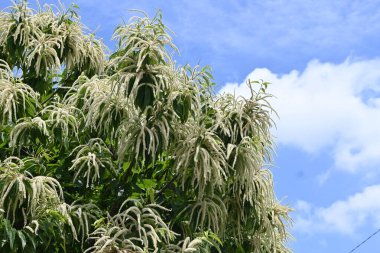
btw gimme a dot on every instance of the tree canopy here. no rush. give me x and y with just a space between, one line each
126 151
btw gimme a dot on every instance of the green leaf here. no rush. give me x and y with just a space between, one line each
11 233
22 238
31 239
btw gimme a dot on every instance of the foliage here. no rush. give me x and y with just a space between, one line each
126 151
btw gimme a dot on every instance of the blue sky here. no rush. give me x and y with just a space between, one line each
323 60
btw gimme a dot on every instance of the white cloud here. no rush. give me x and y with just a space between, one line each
327 105
344 216
323 177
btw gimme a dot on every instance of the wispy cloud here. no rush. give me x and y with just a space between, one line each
328 105
344 216
272 24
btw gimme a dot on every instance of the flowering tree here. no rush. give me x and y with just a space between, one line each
126 151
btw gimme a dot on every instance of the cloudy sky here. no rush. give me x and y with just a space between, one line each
323 60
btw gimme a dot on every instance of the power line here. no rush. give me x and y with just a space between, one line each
377 231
